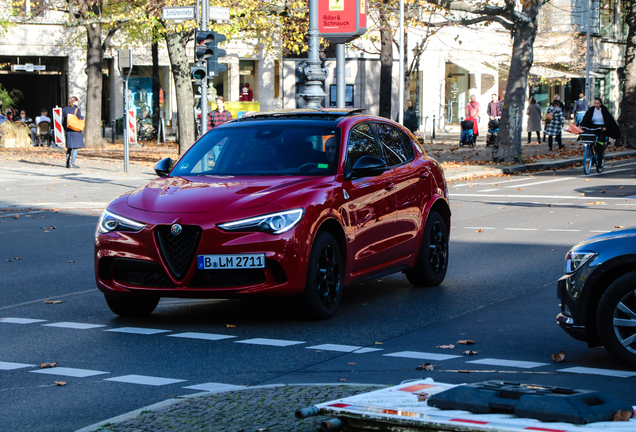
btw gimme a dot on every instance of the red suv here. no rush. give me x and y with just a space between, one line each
284 203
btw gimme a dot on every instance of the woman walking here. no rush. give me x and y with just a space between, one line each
74 139
553 128
534 119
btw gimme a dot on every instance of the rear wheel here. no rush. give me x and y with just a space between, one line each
616 319
323 290
432 261
587 159
131 306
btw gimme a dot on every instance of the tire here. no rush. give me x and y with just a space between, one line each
616 319
432 262
325 273
587 159
600 162
131 306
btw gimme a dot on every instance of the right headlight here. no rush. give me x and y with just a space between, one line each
575 259
113 222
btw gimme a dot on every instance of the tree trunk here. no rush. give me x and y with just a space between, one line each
513 113
156 88
386 65
627 119
93 114
176 43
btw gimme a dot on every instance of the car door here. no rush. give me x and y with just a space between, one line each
370 205
412 186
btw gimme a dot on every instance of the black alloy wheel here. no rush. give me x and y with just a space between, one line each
323 290
616 319
432 262
131 306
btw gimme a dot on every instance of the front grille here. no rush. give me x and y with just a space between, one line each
142 273
227 278
178 250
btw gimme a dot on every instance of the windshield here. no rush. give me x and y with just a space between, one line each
280 149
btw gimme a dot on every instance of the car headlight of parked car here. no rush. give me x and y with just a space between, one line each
110 222
575 259
274 223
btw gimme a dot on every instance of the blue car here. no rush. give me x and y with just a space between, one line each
598 293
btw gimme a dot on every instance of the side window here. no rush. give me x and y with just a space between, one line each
362 142
392 145
408 145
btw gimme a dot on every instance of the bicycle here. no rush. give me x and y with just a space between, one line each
590 155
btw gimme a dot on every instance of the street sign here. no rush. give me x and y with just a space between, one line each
28 67
219 13
178 13
342 21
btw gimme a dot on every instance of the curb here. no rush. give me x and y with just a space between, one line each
169 402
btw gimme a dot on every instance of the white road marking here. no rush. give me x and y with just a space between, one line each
74 325
508 363
20 320
367 350
335 347
270 342
563 230
483 228
605 172
145 380
421 355
71 372
536 196
490 183
521 229
215 387
542 182
137 330
596 371
12 366
599 231
203 336
489 190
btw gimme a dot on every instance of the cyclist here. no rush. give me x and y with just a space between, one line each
597 117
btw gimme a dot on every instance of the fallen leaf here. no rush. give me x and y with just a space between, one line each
519 188
53 301
353 363
570 223
549 205
342 380
71 262
469 352
587 179
466 342
17 258
423 396
622 415
458 205
377 343
495 184
47 365
229 326
621 187
480 230
603 191
449 346
553 249
425 366
501 208
60 383
618 226
558 357
16 216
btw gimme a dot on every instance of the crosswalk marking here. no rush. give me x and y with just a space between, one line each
214 387
335 347
145 380
74 325
12 366
203 336
596 371
71 372
20 320
137 330
270 342
422 355
508 363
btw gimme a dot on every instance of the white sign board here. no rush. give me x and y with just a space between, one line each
178 13
28 67
219 13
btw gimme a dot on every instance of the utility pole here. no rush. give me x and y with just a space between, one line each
205 6
315 74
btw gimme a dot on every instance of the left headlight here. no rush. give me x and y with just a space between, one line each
274 223
575 259
113 222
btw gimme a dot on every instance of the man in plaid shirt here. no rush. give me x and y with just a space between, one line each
220 115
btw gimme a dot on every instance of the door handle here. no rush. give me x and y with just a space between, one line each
424 174
389 186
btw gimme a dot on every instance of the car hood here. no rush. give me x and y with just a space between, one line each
627 233
209 194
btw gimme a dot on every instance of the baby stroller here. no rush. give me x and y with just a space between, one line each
467 137
493 130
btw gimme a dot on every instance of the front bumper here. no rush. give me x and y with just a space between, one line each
565 318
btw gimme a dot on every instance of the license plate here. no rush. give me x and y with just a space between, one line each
233 261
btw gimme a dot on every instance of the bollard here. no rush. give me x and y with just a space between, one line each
433 131
103 129
425 126
113 131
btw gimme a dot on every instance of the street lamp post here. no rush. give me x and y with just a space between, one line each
315 74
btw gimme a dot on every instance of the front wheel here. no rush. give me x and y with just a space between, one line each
587 159
323 290
131 306
616 319
600 162
432 262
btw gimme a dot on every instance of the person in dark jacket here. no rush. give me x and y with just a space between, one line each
599 116
74 139
410 118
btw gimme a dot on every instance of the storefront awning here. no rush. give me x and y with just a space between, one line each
545 72
473 66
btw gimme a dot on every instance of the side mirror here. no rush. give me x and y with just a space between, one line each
163 167
368 166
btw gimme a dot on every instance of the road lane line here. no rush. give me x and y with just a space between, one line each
563 230
71 372
535 196
270 342
521 229
202 336
483 228
508 363
12 366
334 347
596 371
137 330
20 320
74 325
421 355
542 182
145 380
215 387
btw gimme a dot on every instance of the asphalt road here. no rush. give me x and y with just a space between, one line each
508 241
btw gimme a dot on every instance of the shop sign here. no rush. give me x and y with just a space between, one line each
218 13
342 21
28 67
178 13
245 72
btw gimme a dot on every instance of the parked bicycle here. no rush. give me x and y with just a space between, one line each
591 155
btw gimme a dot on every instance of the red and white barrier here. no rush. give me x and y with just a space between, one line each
131 125
58 130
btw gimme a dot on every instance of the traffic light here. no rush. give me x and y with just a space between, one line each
198 71
206 50
214 67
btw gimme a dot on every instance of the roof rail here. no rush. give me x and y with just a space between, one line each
307 112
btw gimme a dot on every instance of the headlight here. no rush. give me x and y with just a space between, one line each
113 222
275 223
575 259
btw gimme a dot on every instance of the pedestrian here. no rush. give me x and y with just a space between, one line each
246 93
220 115
554 126
579 109
557 99
534 119
494 108
598 116
472 112
9 113
410 118
74 139
28 122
